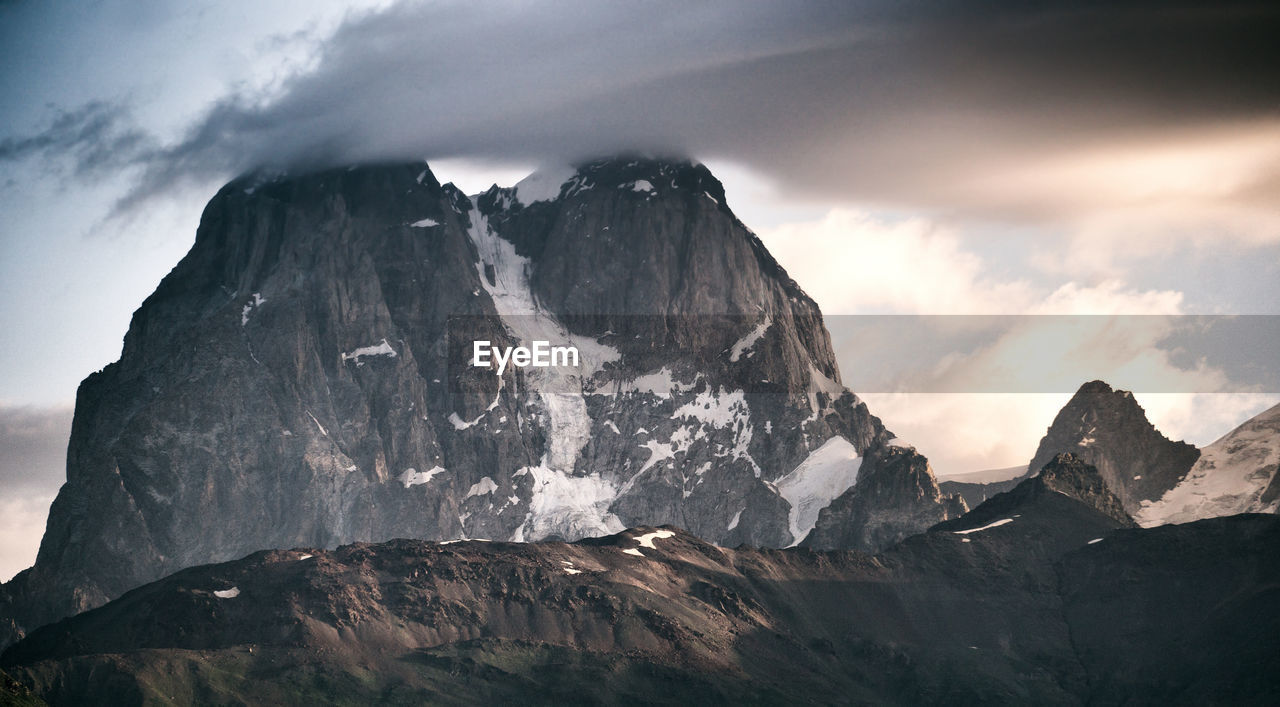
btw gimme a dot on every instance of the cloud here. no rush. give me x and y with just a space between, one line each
32 468
34 441
923 104
98 137
22 523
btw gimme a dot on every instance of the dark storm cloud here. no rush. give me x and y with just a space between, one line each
883 100
34 444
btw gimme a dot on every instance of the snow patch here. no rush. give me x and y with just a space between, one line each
304 556
380 349
643 186
745 343
255 301
413 477
820 383
231 593
424 223
572 507
733 522
661 383
647 539
483 487
823 476
988 526
1095 541
633 551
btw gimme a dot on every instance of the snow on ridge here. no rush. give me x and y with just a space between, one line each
744 344
1229 478
823 476
483 487
543 184
647 539
1000 522
413 477
379 349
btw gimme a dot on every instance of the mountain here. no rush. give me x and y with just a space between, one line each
891 501
1066 475
1239 473
1036 596
1109 429
304 377
978 486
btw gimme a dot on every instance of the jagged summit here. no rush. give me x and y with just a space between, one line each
1109 429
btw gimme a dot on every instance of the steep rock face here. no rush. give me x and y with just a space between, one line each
892 500
1239 473
1109 429
303 377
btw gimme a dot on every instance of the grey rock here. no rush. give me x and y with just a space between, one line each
894 497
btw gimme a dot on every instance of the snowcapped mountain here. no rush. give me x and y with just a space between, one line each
304 376
1239 473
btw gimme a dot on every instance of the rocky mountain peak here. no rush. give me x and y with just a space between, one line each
1109 429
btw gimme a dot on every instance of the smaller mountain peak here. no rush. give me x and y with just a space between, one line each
1071 475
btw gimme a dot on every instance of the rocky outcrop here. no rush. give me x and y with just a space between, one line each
1109 429
303 377
894 498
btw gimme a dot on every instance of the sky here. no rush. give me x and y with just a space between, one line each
898 158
